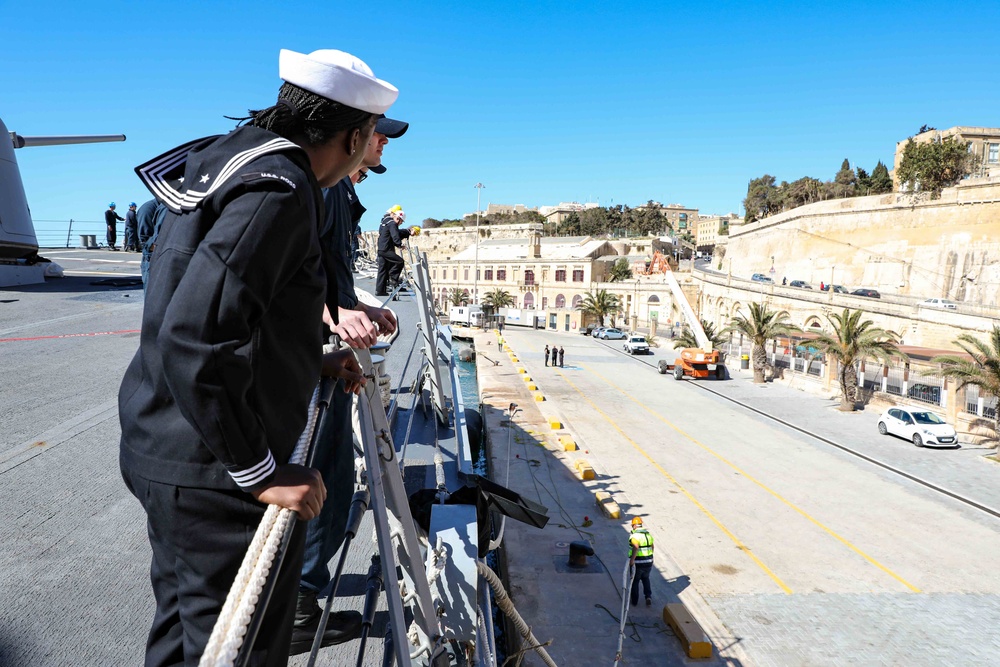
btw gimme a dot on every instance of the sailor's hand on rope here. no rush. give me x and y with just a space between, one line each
297 488
355 328
382 317
344 365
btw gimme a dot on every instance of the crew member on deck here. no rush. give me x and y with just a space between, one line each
111 219
217 395
390 237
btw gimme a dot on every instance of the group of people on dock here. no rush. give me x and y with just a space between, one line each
556 355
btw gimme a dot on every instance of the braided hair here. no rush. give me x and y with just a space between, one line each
307 116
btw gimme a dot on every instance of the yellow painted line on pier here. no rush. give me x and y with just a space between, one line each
744 548
829 531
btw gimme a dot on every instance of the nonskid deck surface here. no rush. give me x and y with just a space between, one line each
73 548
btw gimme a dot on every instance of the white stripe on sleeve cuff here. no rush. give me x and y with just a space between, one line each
254 475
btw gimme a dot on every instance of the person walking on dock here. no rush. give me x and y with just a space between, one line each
640 544
562 353
546 355
111 219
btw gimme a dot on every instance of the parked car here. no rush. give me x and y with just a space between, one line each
587 330
837 289
939 303
596 333
761 278
870 293
920 426
612 334
800 283
636 344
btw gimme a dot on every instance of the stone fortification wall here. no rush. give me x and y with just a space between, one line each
895 243
443 242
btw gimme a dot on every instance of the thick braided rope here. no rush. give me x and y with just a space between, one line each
231 626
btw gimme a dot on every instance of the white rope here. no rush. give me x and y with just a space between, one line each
506 605
231 626
626 599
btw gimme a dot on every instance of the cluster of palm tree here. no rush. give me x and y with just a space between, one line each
600 304
982 368
850 339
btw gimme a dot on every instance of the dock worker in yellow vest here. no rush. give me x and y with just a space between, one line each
641 558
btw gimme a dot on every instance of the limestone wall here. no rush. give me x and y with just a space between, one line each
898 244
443 242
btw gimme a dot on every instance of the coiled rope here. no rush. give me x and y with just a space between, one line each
231 626
505 605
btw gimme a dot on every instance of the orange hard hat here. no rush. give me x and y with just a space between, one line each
636 521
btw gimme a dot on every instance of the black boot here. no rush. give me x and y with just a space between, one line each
342 626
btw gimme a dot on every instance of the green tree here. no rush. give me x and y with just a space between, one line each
845 181
762 325
863 182
853 339
933 166
570 226
687 337
983 370
457 296
762 198
600 304
498 298
620 271
881 181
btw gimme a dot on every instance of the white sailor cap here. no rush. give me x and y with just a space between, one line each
337 76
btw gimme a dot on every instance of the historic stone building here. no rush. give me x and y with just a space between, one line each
984 144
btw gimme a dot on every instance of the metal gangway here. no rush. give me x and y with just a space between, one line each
439 591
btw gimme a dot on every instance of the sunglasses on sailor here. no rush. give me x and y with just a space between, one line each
362 175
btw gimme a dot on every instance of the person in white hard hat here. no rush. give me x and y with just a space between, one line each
215 400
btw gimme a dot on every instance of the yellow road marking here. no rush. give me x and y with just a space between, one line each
744 548
774 493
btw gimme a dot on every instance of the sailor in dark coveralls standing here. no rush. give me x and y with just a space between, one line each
111 219
390 237
216 397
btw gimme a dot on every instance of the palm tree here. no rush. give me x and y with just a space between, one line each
983 370
457 296
498 298
620 271
762 325
600 304
687 339
855 339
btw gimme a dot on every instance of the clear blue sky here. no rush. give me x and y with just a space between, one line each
542 102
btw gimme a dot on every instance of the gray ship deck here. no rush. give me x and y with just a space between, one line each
73 551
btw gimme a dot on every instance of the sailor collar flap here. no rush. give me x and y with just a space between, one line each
165 175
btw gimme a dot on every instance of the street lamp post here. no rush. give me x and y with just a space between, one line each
475 285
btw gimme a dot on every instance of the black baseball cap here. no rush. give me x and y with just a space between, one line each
377 169
391 128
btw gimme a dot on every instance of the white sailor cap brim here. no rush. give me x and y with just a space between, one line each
337 76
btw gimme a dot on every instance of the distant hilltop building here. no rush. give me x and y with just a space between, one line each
563 210
984 144
681 218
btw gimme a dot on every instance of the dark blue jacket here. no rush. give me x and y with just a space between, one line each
231 342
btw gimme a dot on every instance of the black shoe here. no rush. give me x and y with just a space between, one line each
341 626
649 602
381 294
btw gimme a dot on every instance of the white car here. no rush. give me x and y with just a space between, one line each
636 345
939 303
612 334
918 425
